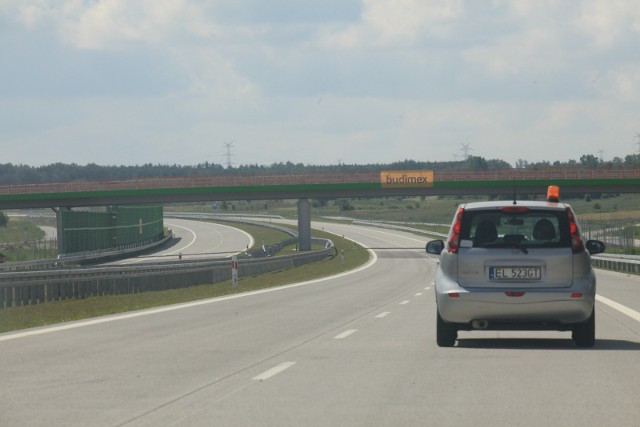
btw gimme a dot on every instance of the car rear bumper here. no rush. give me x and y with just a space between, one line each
496 307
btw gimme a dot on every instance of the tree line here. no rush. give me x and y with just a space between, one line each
586 161
61 172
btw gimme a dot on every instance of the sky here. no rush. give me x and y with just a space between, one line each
321 82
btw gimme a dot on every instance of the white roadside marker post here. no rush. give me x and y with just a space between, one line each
234 272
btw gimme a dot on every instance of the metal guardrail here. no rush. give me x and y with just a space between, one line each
76 258
221 216
392 226
266 250
621 263
18 288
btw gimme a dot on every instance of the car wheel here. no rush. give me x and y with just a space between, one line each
584 334
446 333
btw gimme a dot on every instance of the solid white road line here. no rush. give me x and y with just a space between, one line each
273 371
147 312
193 233
345 334
621 308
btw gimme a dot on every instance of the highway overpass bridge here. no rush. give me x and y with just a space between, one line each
309 186
325 185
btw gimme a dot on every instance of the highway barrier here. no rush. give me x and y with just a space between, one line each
622 263
53 282
19 288
405 227
85 257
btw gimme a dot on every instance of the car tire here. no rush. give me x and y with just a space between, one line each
584 334
446 333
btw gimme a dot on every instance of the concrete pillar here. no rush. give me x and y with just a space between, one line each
304 225
59 233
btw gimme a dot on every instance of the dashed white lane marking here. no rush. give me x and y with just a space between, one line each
383 314
345 334
621 308
404 302
419 294
273 371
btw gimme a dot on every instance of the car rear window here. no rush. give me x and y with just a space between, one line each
533 228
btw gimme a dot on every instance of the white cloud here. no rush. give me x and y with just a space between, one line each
609 22
34 14
108 24
405 20
387 80
624 83
530 39
531 52
112 22
387 23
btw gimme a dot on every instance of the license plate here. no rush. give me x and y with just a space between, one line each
515 273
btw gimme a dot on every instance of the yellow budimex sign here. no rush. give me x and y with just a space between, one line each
400 179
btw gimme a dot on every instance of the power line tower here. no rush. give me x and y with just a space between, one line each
228 153
465 149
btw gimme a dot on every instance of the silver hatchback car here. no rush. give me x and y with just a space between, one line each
515 265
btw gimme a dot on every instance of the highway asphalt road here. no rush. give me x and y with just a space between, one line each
354 350
197 239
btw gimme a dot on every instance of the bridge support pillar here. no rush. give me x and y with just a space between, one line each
59 234
304 225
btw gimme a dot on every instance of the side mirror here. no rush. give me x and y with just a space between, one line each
435 247
594 247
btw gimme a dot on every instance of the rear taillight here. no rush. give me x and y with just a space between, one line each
453 241
576 241
514 294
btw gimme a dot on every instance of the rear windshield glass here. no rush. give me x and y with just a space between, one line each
541 228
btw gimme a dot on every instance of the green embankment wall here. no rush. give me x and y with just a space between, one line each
119 226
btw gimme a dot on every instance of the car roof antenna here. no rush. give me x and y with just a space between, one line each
514 196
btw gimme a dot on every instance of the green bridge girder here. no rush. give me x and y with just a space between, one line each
308 191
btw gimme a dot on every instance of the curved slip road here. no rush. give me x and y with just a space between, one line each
355 350
196 239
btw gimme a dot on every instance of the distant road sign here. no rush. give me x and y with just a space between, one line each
404 179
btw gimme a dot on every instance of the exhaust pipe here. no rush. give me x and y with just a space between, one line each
480 324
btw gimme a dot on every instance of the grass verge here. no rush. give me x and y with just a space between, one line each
16 318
